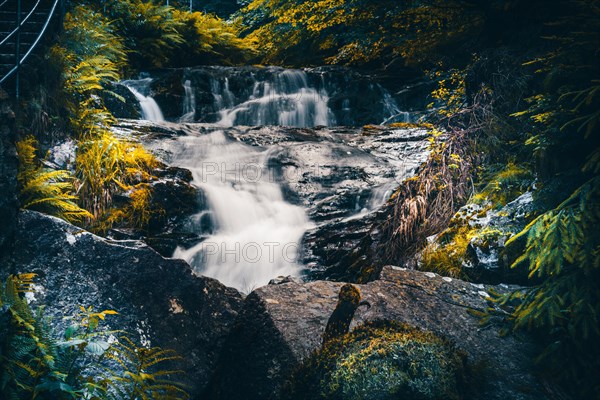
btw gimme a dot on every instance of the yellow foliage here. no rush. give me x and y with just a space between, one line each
355 31
446 257
45 190
451 93
505 185
108 165
92 55
411 125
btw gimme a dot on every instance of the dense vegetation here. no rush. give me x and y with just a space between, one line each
101 44
519 96
85 361
518 109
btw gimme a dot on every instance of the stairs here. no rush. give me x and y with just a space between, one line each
16 44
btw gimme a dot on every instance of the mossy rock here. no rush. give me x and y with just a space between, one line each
382 360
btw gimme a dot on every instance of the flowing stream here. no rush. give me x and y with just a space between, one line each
287 100
254 233
150 109
257 233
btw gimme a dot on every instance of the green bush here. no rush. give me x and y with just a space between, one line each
158 36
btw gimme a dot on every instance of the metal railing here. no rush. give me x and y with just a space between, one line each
19 60
20 22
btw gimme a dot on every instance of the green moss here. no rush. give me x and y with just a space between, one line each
505 184
382 360
349 293
411 125
447 255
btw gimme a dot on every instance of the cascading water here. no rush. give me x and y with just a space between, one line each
140 89
257 232
255 96
189 103
391 108
287 100
254 232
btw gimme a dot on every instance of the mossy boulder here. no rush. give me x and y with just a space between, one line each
382 360
282 326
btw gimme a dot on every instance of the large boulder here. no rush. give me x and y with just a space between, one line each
159 301
121 102
281 325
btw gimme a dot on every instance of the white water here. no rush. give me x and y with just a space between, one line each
189 103
257 232
284 100
150 109
391 108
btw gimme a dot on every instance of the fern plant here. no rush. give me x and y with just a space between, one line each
563 244
150 32
31 367
92 56
44 190
143 376
36 364
108 165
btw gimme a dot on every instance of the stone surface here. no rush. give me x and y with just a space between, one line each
8 172
342 176
355 98
125 107
488 260
174 199
160 302
280 325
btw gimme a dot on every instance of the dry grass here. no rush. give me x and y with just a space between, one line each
423 205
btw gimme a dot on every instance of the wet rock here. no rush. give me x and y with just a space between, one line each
173 204
168 92
77 268
124 106
341 175
284 279
281 325
354 98
8 172
62 156
488 260
173 199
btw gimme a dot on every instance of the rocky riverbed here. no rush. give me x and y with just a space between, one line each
341 176
235 345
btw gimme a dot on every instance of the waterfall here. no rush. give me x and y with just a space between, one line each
257 96
189 103
392 109
286 99
257 233
140 89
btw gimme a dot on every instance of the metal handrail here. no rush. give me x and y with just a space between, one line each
3 3
23 21
37 40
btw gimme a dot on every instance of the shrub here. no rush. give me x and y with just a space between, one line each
92 55
447 254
